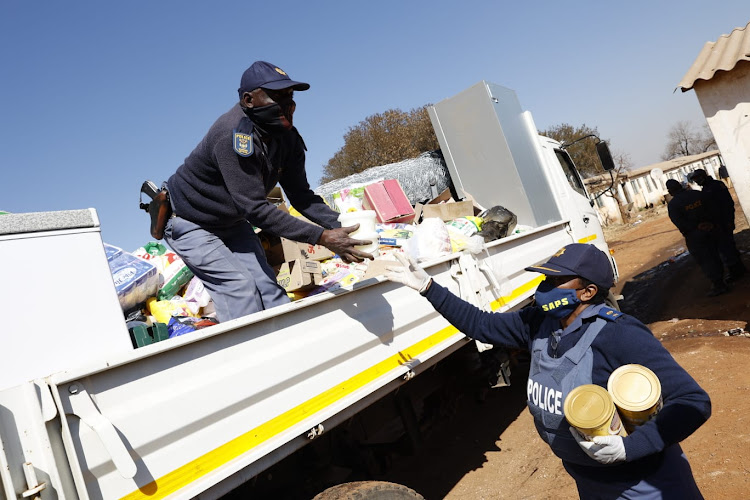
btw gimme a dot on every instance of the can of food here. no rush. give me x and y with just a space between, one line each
636 391
590 409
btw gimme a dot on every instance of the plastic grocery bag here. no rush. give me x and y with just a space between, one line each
430 240
460 241
196 296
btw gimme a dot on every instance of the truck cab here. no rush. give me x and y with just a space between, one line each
496 156
574 199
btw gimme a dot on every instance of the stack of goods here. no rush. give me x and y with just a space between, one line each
392 224
156 287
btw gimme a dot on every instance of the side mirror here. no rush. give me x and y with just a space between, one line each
602 149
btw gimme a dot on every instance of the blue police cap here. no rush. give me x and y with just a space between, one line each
579 259
262 74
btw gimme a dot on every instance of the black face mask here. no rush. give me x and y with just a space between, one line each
269 118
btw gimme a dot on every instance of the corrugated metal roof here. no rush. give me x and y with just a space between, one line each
721 55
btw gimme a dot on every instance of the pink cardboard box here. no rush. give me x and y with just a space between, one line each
389 201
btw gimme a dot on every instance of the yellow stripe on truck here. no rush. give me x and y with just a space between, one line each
588 238
203 465
506 299
182 476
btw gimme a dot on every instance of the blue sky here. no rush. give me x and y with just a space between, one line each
99 96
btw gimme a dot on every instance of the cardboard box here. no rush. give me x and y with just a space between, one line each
389 201
279 250
276 196
448 211
444 197
444 207
299 274
378 267
294 250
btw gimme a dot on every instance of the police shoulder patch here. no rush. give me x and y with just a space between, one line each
243 143
608 313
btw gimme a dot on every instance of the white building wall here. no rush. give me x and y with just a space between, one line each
635 189
649 191
608 210
627 191
643 190
652 191
725 100
711 166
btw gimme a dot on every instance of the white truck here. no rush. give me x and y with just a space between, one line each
85 415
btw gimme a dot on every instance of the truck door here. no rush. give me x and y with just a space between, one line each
575 203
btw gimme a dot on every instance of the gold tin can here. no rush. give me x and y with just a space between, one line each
636 391
590 409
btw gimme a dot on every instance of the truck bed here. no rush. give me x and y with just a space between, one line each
222 404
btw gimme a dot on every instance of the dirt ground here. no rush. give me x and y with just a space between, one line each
490 449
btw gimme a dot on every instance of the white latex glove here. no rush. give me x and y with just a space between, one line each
411 274
603 449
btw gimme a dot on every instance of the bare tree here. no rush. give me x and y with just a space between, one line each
684 140
623 163
606 185
622 160
708 142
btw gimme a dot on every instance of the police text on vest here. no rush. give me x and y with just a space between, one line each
545 398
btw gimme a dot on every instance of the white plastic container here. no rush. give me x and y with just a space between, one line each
373 248
366 220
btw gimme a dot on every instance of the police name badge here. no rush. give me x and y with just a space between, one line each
243 144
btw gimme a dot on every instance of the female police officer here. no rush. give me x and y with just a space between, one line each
574 339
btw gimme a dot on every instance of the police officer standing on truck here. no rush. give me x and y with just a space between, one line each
575 339
698 221
719 197
219 194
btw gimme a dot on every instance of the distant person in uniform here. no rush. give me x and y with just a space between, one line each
575 339
721 200
219 194
685 185
691 212
724 175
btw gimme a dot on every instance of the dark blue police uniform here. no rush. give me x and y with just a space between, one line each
596 342
687 210
719 197
219 194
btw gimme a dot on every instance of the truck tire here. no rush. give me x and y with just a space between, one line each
368 490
